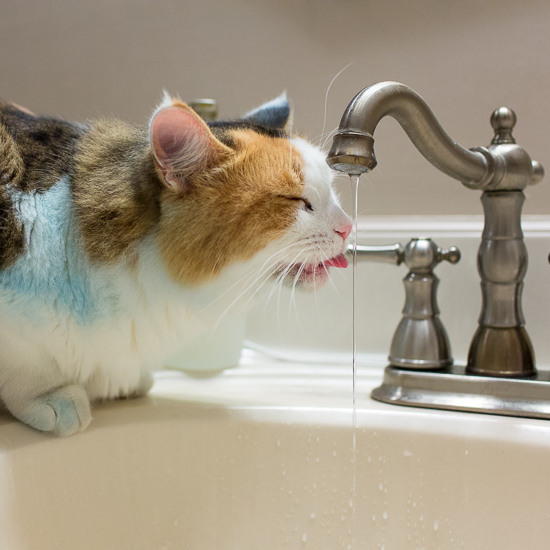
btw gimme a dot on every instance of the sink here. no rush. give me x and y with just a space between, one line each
262 456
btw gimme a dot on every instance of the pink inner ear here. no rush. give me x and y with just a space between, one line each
180 140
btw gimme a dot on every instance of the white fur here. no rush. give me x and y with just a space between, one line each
319 226
72 331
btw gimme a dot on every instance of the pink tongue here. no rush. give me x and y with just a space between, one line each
339 261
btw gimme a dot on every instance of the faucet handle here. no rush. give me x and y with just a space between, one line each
451 255
387 253
422 255
420 340
503 121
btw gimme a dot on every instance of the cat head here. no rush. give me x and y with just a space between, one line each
244 191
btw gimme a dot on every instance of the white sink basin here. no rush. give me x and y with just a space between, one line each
262 457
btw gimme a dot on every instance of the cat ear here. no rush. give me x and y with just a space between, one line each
182 143
275 114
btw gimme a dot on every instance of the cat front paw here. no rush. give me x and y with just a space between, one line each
64 411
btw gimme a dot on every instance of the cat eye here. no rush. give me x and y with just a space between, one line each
306 203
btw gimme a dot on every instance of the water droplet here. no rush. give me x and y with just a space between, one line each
407 453
312 515
436 525
385 514
304 537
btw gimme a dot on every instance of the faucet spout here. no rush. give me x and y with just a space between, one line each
353 146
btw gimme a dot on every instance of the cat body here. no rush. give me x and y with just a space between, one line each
120 244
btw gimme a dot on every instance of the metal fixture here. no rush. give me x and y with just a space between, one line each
391 253
420 340
207 109
455 390
501 346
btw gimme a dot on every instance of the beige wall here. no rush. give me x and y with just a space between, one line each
82 58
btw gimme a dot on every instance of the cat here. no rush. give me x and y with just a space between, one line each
121 243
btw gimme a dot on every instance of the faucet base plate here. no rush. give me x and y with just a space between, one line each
453 389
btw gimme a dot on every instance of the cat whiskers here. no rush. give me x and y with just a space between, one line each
289 131
249 276
329 276
312 188
292 292
212 272
278 285
328 137
283 275
265 271
247 287
322 138
327 92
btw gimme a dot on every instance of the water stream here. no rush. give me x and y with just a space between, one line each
354 180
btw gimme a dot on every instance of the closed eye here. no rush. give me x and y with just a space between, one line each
306 203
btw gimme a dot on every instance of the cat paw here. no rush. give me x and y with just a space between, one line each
63 411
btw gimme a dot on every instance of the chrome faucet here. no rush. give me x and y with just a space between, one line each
420 340
500 346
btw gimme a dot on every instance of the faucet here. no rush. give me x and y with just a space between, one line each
500 375
500 346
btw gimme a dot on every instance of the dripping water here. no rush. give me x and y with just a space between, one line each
354 180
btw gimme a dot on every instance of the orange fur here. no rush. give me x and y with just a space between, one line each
232 211
230 207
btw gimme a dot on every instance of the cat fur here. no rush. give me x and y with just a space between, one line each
120 244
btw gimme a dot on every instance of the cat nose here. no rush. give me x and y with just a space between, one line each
344 230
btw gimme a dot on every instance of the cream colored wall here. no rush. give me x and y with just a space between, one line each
79 59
